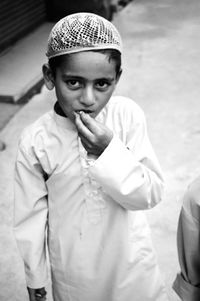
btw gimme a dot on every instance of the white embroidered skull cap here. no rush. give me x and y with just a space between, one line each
81 32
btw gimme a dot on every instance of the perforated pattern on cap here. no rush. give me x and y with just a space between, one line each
81 32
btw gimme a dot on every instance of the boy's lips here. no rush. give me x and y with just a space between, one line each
85 111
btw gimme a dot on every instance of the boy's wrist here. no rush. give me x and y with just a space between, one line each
37 294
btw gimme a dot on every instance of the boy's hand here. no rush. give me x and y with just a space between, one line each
95 136
38 294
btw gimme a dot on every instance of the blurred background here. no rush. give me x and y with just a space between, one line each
160 72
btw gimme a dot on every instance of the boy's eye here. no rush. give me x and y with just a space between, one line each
102 84
73 83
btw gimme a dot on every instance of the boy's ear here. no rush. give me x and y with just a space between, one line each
48 77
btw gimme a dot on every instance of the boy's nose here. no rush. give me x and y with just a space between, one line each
88 96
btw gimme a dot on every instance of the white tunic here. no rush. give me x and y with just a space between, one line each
98 238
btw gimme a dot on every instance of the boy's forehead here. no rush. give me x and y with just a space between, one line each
87 63
81 32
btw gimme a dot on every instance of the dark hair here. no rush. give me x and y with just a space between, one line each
112 54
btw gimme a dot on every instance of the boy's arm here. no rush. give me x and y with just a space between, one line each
129 172
30 217
187 283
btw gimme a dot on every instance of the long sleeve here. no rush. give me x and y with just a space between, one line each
30 217
187 283
128 170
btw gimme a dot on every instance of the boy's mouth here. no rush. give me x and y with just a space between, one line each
85 111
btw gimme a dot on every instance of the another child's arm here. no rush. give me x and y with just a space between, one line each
129 172
187 283
30 216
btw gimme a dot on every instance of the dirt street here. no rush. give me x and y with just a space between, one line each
161 73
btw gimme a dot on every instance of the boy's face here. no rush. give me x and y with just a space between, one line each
84 81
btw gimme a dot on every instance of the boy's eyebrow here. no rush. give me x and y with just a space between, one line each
70 76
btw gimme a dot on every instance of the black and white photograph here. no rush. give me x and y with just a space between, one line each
99 150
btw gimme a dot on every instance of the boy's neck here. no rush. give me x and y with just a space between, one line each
58 110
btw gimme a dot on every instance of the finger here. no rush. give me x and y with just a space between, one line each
41 298
89 122
82 129
31 292
85 142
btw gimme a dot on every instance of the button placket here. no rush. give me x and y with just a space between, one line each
94 200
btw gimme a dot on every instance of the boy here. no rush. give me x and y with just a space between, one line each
187 283
85 171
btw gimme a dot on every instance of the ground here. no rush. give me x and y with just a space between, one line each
162 52
161 73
